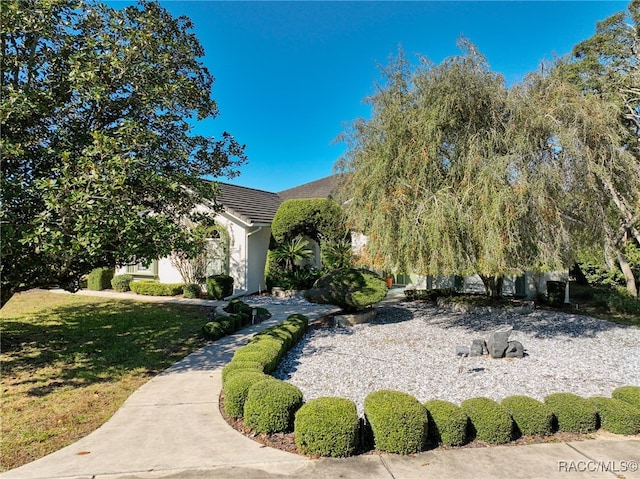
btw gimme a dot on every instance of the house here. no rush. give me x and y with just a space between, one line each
246 219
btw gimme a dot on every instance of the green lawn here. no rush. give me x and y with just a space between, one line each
69 362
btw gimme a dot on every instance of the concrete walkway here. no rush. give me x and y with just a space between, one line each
171 428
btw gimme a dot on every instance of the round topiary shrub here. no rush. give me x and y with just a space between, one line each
574 413
398 421
120 282
228 324
628 394
236 390
616 416
240 365
213 330
271 406
327 427
490 422
447 423
350 289
191 291
531 417
282 335
219 286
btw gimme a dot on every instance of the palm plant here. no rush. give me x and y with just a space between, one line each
291 252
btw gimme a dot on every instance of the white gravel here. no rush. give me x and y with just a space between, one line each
411 347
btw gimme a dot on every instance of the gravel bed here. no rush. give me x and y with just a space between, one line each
411 347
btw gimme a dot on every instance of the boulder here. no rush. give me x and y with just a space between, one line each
498 342
478 348
462 351
514 350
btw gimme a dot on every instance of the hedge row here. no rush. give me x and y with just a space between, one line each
395 421
267 404
241 315
154 288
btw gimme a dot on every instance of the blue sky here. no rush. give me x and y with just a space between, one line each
291 75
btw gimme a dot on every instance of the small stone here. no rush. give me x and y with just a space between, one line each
462 351
478 348
514 350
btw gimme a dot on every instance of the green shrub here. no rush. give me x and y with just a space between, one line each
628 394
262 313
228 324
120 282
350 289
240 365
398 421
213 330
574 413
233 306
99 279
531 417
271 406
266 356
447 423
191 290
219 286
490 422
153 288
236 389
616 416
327 427
282 335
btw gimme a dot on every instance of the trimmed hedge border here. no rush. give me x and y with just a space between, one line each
327 426
616 416
154 288
271 406
224 324
530 416
397 421
574 413
490 421
448 423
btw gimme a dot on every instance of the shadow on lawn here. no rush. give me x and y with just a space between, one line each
92 342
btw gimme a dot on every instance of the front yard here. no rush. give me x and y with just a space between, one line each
69 362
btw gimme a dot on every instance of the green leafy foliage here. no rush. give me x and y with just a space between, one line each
120 282
447 423
531 417
398 421
100 165
153 288
236 390
327 426
319 219
99 279
240 365
349 289
574 413
628 394
213 330
219 286
616 416
191 290
490 422
271 406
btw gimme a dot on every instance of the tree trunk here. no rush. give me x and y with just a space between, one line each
628 274
493 285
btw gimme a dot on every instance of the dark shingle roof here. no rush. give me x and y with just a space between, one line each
322 188
250 205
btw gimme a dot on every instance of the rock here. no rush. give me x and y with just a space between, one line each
478 348
462 351
346 320
497 342
514 350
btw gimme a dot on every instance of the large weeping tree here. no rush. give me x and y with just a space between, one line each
99 163
456 174
607 66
